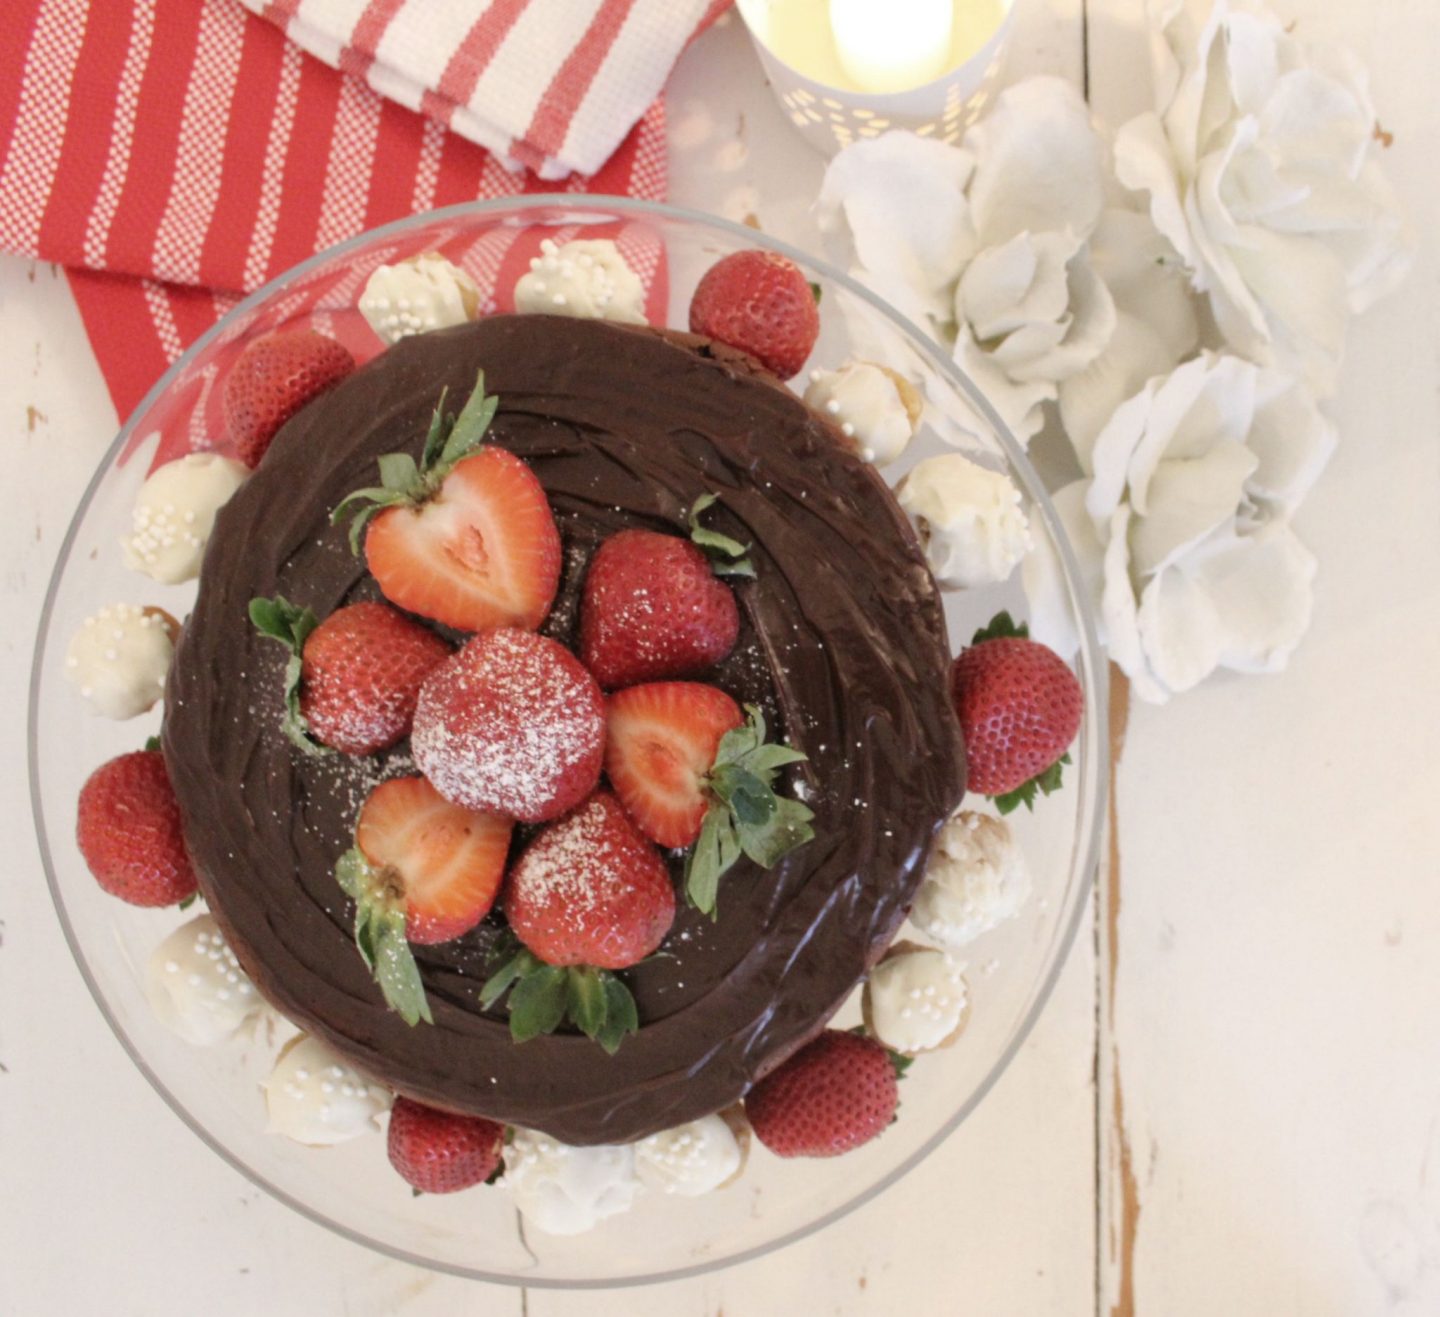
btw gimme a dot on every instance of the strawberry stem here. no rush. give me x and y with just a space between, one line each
727 556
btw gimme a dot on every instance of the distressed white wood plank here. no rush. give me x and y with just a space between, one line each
1275 971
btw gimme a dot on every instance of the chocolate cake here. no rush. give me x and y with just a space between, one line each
842 644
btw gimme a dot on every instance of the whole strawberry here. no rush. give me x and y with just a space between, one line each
759 302
653 606
834 1094
587 896
273 379
512 724
1019 707
438 1152
128 830
359 672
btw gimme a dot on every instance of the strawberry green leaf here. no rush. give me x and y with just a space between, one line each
152 742
189 900
750 799
403 482
469 428
396 971
715 850
380 935
585 1001
901 1062
1049 782
765 759
727 556
1000 627
279 619
621 1017
517 966
771 841
537 1002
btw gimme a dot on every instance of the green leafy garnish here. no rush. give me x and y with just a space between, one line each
542 997
727 556
291 625
403 483
380 934
1001 627
1049 782
745 817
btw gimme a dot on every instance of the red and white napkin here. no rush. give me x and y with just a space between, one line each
178 153
553 85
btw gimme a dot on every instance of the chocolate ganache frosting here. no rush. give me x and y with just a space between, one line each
842 644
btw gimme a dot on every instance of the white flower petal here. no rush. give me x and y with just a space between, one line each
1145 162
1293 441
1119 613
1114 447
903 200
1180 630
1052 610
1141 268
1261 586
1018 405
1038 163
1189 499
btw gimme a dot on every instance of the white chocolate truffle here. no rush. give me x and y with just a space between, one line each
977 878
587 278
969 520
120 656
689 1160
564 1190
915 1000
415 296
316 1098
175 512
196 985
875 407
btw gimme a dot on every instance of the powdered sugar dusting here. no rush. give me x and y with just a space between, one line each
513 724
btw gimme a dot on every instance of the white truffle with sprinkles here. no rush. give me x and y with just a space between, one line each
175 512
317 1098
916 1000
690 1159
564 1190
415 296
119 658
196 985
587 278
969 520
976 879
874 406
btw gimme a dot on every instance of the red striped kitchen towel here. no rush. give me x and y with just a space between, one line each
177 153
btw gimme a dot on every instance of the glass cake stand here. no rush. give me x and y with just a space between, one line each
350 1188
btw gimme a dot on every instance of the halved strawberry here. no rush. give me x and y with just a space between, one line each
466 536
447 860
422 870
660 744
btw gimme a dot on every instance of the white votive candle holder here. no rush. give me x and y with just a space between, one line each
816 67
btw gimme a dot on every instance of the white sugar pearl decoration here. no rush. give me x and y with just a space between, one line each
190 980
415 296
119 657
564 1190
300 1108
689 1160
587 278
977 878
175 512
915 999
867 404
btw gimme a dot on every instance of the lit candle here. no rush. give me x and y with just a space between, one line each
892 45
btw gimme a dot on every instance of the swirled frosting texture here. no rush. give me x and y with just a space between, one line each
842 643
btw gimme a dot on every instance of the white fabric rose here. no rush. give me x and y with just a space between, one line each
1259 167
1183 528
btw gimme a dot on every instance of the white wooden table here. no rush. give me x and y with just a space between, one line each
1232 1105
